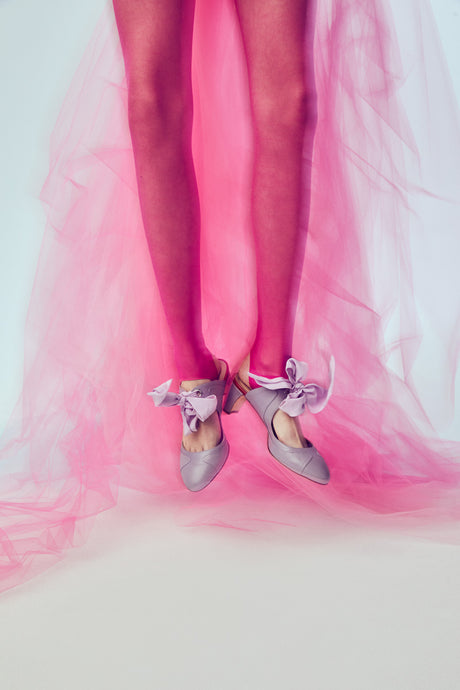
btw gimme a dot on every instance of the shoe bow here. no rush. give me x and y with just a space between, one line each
194 406
300 394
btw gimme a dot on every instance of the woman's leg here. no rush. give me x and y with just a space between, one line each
280 69
156 40
278 41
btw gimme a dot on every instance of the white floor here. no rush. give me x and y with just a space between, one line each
147 604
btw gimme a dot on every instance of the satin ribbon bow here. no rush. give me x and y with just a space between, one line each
300 394
193 406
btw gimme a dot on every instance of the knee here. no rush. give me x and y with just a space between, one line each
287 110
160 111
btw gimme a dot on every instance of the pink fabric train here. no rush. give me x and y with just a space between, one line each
385 188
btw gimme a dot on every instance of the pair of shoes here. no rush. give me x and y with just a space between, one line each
292 396
198 468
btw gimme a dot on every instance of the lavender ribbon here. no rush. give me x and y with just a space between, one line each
193 406
300 395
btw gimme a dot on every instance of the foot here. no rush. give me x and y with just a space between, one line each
207 436
286 428
209 433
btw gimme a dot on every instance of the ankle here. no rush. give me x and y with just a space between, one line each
253 366
202 373
219 373
245 381
190 384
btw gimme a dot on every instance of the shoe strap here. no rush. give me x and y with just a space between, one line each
195 405
211 388
298 394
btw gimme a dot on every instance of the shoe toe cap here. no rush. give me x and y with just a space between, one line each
316 469
197 475
306 462
199 469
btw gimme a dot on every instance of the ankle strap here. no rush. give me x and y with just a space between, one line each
299 394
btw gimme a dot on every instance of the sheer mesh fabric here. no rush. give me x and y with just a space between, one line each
278 46
378 187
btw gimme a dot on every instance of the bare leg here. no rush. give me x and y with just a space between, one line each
280 68
156 40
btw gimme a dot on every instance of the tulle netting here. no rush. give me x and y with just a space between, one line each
377 292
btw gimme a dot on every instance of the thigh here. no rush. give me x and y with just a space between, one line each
278 42
156 38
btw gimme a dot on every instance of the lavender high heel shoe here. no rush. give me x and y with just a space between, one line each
292 396
198 468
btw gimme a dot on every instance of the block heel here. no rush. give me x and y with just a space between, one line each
235 399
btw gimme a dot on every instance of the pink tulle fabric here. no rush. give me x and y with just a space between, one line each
384 199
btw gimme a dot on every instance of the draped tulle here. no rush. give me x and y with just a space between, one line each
379 292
